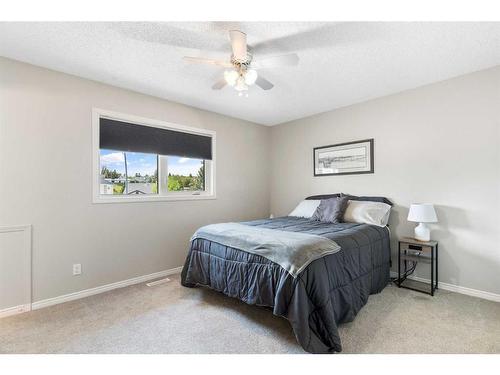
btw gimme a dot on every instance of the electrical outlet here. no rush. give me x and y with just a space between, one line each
77 269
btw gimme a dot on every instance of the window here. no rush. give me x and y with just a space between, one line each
126 173
185 174
137 159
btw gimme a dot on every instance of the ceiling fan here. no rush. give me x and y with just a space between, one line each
241 69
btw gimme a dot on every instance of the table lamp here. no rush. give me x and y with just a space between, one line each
422 213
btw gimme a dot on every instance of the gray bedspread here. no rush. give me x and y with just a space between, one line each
291 250
329 291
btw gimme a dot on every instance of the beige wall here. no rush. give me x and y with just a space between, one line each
45 169
439 144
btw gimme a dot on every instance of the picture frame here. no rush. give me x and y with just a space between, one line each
347 158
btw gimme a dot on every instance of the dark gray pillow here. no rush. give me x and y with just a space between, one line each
331 210
370 199
323 196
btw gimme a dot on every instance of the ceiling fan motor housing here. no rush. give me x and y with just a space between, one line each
242 63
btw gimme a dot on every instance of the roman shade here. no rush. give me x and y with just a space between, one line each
124 136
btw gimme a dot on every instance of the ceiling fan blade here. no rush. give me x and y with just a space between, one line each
277 61
238 44
200 60
219 84
263 83
323 35
167 34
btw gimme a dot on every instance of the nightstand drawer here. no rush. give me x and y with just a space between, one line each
415 247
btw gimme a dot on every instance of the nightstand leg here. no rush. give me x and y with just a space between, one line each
432 271
399 265
437 267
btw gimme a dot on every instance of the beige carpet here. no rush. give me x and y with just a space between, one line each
169 318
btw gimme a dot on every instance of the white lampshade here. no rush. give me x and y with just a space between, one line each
231 76
422 213
240 84
250 77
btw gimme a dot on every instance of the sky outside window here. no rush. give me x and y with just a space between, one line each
183 166
137 163
145 164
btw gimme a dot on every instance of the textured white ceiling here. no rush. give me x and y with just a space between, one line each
340 63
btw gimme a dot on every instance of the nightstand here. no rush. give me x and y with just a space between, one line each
412 252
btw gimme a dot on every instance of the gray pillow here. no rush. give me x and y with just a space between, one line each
369 199
324 196
331 210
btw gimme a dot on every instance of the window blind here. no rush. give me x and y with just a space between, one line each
124 136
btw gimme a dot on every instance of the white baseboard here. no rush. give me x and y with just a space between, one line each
14 310
140 279
101 289
457 289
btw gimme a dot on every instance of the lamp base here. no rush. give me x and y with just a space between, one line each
422 232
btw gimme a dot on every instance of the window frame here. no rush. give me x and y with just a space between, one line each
97 197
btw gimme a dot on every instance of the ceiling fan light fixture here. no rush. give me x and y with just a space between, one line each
240 84
231 77
250 77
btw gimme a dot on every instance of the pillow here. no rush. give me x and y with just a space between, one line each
371 199
324 196
305 208
331 210
366 212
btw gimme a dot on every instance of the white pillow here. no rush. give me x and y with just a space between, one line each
305 208
365 212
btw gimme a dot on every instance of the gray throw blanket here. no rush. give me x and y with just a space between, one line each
291 250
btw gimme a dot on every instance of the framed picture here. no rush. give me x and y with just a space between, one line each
344 158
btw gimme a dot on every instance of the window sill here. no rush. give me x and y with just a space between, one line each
160 198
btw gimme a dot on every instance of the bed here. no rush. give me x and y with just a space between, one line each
329 291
